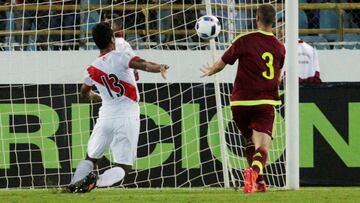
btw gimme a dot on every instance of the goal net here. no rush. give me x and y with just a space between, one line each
45 125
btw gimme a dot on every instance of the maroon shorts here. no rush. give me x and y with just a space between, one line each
259 118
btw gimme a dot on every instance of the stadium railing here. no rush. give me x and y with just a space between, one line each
340 32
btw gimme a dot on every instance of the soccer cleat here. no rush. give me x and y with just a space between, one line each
69 189
261 186
87 184
250 177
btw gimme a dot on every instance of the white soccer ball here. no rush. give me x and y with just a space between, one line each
208 27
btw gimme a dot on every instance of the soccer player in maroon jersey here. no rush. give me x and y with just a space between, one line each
260 58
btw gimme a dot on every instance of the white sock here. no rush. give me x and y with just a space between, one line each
110 177
83 169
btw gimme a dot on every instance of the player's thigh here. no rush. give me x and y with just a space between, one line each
262 119
100 139
125 141
242 120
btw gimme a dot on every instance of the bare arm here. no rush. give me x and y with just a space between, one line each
87 93
213 69
148 66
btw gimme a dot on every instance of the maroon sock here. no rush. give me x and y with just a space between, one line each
260 178
259 160
249 151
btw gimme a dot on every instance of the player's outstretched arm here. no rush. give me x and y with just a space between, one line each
87 93
213 69
148 66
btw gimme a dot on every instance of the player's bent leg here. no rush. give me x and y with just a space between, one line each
82 171
262 142
123 148
250 151
113 175
84 168
99 142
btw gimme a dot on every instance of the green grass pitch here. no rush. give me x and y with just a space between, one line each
218 195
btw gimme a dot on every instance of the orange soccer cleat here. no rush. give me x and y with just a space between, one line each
250 177
261 186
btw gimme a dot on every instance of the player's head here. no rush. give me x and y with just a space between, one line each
280 29
265 15
103 36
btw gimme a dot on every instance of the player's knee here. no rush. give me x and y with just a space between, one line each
261 139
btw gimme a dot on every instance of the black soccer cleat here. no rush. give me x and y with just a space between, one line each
69 189
87 184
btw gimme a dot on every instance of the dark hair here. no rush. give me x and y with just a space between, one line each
266 13
102 35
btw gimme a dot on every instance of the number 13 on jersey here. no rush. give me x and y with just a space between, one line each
269 59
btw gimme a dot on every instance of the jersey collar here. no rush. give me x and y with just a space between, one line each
104 53
266 33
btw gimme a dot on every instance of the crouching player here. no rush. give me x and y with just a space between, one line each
118 124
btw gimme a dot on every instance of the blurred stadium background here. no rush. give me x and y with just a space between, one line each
65 24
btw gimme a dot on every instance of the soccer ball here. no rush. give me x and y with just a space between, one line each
207 27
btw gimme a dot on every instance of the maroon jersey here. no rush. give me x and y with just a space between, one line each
261 56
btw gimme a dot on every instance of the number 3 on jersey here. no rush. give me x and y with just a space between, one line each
269 59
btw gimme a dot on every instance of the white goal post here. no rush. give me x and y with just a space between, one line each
292 95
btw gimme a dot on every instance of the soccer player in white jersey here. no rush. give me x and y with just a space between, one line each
309 69
116 23
118 124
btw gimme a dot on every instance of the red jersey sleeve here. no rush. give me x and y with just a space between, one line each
233 52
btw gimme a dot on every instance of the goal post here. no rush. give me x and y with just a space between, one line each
223 146
292 95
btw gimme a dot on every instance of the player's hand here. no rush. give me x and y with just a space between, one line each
207 70
210 70
163 70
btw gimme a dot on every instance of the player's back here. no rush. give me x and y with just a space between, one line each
260 56
116 84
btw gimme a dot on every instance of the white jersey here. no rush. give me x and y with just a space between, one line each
308 60
122 45
115 81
